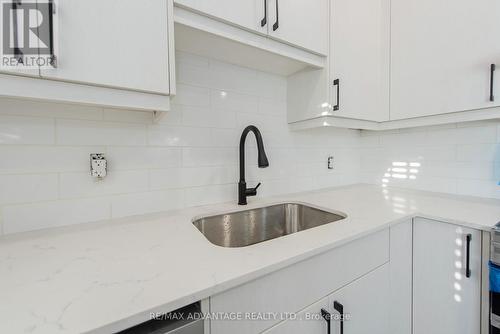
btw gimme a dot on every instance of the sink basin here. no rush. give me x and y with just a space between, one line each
243 228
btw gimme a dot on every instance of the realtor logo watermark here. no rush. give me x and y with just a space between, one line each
27 34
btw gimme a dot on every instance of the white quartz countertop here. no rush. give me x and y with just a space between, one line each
104 277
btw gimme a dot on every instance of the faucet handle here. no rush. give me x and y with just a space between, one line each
257 186
252 191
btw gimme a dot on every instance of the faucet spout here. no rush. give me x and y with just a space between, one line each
262 162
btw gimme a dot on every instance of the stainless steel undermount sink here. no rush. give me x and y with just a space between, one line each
244 228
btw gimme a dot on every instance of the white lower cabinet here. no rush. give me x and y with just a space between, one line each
293 288
417 277
446 286
364 304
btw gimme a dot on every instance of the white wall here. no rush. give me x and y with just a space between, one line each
190 158
457 158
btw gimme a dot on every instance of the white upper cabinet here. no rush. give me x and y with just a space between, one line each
359 59
441 56
114 43
301 23
113 53
446 278
249 14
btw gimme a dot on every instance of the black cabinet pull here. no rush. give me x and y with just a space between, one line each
336 82
276 24
340 308
328 318
493 67
263 22
52 10
15 32
467 260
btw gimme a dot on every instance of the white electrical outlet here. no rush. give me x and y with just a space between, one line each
98 165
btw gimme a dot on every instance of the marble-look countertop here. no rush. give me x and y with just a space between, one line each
103 277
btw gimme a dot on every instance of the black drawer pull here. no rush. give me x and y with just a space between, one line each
340 308
493 67
328 318
336 82
467 260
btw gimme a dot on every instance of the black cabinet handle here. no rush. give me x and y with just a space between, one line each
15 32
263 22
467 260
276 24
328 318
340 308
493 67
52 10
336 82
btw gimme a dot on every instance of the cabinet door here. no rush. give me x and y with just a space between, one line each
16 32
249 14
360 51
365 305
441 56
445 301
113 43
301 23
309 320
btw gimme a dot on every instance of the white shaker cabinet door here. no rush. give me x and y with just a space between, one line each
309 320
15 28
441 53
364 303
445 300
249 14
301 23
359 59
113 43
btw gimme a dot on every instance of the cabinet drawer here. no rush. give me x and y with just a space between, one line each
299 285
365 303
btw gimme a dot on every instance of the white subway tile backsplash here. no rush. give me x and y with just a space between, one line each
230 77
208 117
210 194
271 86
178 136
128 116
28 217
464 135
22 188
16 130
148 202
192 96
77 185
19 107
193 75
189 156
272 107
73 132
123 158
192 60
478 152
454 158
209 156
37 159
224 100
172 117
